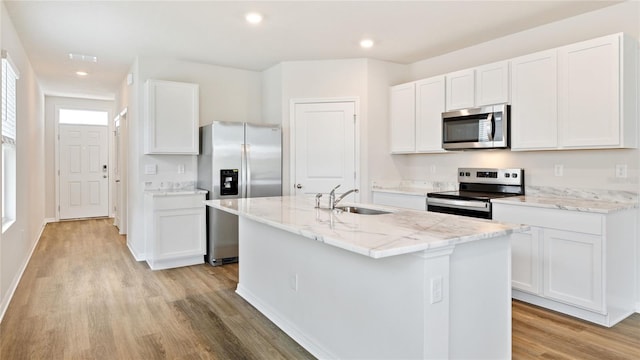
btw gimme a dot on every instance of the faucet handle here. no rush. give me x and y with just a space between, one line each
318 196
334 189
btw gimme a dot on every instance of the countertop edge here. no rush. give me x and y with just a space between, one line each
590 206
372 253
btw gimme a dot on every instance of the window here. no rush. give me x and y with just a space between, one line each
83 117
9 129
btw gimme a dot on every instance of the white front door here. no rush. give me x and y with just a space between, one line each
84 177
324 147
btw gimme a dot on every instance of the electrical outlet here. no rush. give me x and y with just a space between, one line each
293 282
436 289
621 170
150 169
181 169
558 169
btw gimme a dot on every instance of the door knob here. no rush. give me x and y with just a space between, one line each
299 186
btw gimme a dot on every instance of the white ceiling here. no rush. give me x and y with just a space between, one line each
215 32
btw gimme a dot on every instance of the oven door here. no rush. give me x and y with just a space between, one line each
477 128
473 208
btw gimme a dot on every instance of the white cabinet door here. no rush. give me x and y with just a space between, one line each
525 261
402 118
492 84
172 118
534 101
430 104
175 230
589 90
460 89
573 268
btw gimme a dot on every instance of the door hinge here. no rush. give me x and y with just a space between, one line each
354 118
354 175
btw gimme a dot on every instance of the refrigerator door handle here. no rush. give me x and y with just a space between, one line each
247 170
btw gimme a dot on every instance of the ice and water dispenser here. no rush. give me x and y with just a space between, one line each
229 182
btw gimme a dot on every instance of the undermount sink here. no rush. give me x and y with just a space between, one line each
361 210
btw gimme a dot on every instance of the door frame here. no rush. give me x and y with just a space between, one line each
56 140
292 135
122 164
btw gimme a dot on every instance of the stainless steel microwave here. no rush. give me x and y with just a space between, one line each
485 127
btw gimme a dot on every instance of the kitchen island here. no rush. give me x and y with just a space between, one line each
406 284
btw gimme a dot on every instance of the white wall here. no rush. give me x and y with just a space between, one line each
51 104
18 242
226 94
366 80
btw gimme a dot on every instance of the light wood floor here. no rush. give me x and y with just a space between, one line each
84 297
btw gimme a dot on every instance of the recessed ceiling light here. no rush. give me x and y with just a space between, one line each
366 43
254 18
82 73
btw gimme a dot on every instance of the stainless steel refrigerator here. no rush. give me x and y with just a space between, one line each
237 160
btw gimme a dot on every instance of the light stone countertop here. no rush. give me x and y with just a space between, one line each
376 236
174 192
565 203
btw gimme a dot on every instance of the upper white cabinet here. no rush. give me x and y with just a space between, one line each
483 85
580 96
492 84
402 117
461 89
534 101
172 117
416 116
430 102
597 85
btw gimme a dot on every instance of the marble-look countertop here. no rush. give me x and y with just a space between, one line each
411 187
174 192
376 236
566 203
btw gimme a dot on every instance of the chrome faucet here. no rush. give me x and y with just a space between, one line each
332 196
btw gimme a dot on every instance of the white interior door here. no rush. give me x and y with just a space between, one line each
84 176
324 147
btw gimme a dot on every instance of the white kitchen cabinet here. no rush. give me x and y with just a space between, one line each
597 90
573 268
526 273
405 201
585 260
534 101
402 118
492 84
175 231
430 104
415 116
172 117
460 89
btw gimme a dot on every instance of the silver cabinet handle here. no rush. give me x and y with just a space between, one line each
299 186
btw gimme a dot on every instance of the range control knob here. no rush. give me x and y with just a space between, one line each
514 175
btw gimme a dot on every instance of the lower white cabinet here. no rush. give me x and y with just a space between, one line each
406 201
525 259
578 263
175 229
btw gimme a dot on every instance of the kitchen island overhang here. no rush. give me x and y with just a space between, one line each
402 285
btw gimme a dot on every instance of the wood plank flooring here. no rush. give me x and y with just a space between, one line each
84 297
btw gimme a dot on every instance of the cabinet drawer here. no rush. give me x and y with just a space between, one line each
406 201
172 202
583 222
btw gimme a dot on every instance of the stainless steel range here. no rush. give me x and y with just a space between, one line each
477 186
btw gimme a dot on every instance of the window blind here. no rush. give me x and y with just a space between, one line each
9 78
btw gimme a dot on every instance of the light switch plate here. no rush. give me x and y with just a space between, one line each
621 171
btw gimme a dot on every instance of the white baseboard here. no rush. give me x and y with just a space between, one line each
50 220
4 305
285 325
138 257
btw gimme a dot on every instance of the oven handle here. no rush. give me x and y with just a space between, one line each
460 204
